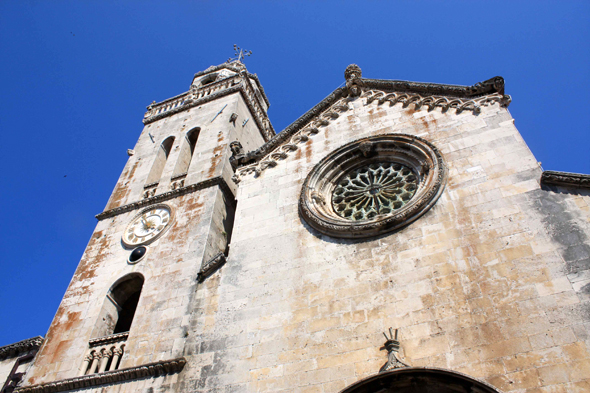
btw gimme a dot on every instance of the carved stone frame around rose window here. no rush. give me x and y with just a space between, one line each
421 156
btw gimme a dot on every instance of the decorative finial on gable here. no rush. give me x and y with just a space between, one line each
392 347
353 71
353 76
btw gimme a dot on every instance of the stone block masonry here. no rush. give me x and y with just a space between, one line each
478 283
491 282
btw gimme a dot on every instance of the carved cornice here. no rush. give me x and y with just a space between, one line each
288 140
566 179
296 127
156 369
181 176
431 102
211 266
490 86
215 181
260 116
108 339
422 95
150 185
20 347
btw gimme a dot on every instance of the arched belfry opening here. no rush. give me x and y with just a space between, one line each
187 150
420 380
119 306
160 161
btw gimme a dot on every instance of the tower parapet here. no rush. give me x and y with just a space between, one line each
213 83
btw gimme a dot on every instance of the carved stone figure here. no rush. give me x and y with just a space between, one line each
354 82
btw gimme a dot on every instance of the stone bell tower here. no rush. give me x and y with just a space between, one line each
129 310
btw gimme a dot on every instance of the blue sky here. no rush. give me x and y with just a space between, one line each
76 77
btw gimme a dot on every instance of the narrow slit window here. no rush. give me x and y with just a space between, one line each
186 152
160 162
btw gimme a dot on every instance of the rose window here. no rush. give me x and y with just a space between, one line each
374 189
373 185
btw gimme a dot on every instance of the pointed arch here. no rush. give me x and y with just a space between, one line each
119 307
160 162
187 150
420 380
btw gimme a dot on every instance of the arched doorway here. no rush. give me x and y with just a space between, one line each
420 380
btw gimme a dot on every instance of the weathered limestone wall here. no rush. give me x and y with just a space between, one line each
486 283
161 321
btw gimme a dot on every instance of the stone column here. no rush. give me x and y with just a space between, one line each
85 364
106 355
117 352
94 366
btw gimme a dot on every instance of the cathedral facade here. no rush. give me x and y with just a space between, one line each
397 237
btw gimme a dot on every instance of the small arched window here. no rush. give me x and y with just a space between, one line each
208 79
186 152
119 306
160 162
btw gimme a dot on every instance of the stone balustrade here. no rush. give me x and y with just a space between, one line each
104 354
169 105
194 94
203 91
198 95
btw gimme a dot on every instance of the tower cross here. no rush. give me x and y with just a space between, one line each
239 53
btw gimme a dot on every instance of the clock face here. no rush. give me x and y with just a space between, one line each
147 226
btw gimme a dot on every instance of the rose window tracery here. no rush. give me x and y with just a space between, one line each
374 189
373 185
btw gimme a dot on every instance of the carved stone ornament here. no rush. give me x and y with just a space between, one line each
372 186
392 346
354 83
237 152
